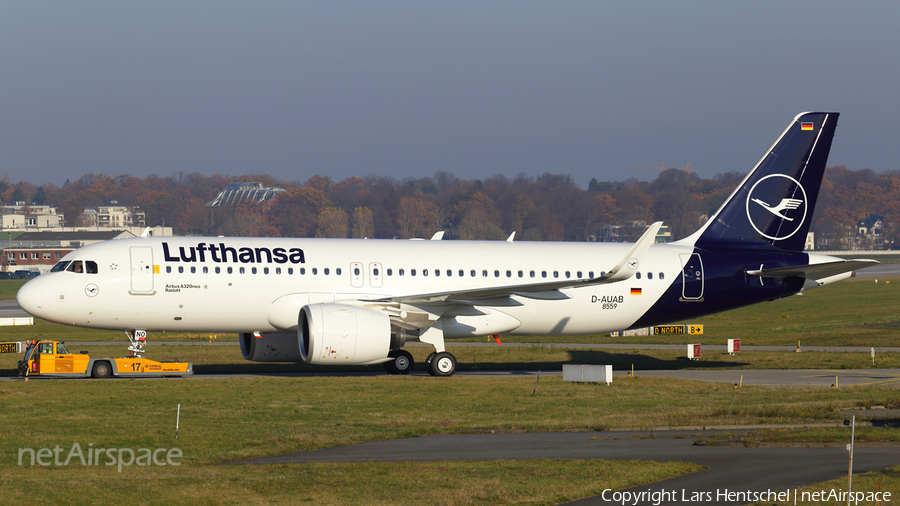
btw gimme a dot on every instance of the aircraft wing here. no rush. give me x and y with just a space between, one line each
623 270
815 271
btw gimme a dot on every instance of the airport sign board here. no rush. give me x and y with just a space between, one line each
693 330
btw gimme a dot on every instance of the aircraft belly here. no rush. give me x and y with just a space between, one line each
587 311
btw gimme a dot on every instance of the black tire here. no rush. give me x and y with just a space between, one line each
443 364
428 361
402 362
101 370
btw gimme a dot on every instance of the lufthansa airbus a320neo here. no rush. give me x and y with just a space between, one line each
359 301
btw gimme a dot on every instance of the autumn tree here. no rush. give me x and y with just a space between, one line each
244 220
598 210
332 222
522 209
479 219
295 212
363 223
416 217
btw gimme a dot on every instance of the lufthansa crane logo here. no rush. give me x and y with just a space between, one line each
776 206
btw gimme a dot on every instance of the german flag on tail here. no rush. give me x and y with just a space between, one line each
635 291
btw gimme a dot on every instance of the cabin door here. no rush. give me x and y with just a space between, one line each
141 269
692 277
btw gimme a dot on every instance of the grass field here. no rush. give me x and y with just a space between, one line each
238 418
9 287
231 419
533 482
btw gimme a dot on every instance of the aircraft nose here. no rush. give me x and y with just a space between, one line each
30 297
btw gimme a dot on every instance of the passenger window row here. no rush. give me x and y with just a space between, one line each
252 270
485 273
90 267
497 273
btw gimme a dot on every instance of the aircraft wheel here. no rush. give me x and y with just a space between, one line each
428 360
443 364
402 362
101 370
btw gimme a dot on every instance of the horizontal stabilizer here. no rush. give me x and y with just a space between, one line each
815 271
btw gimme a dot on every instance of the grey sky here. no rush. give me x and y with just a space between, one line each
406 89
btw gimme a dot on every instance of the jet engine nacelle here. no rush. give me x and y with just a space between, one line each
331 334
275 347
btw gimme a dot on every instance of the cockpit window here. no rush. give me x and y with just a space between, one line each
87 266
60 266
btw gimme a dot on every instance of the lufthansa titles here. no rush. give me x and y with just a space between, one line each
220 253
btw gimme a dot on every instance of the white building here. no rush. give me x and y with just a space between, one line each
25 215
113 215
810 242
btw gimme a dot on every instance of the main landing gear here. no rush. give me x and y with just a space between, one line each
441 364
437 364
401 362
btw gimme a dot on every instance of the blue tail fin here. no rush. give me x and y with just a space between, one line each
774 204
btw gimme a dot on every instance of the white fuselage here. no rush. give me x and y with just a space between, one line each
247 285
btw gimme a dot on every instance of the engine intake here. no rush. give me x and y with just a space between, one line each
333 334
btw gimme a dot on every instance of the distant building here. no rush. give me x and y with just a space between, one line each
39 251
870 233
664 235
839 237
113 215
31 259
630 231
810 243
243 193
28 215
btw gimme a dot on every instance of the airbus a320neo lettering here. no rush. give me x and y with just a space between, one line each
358 301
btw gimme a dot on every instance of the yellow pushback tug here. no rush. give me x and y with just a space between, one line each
52 359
